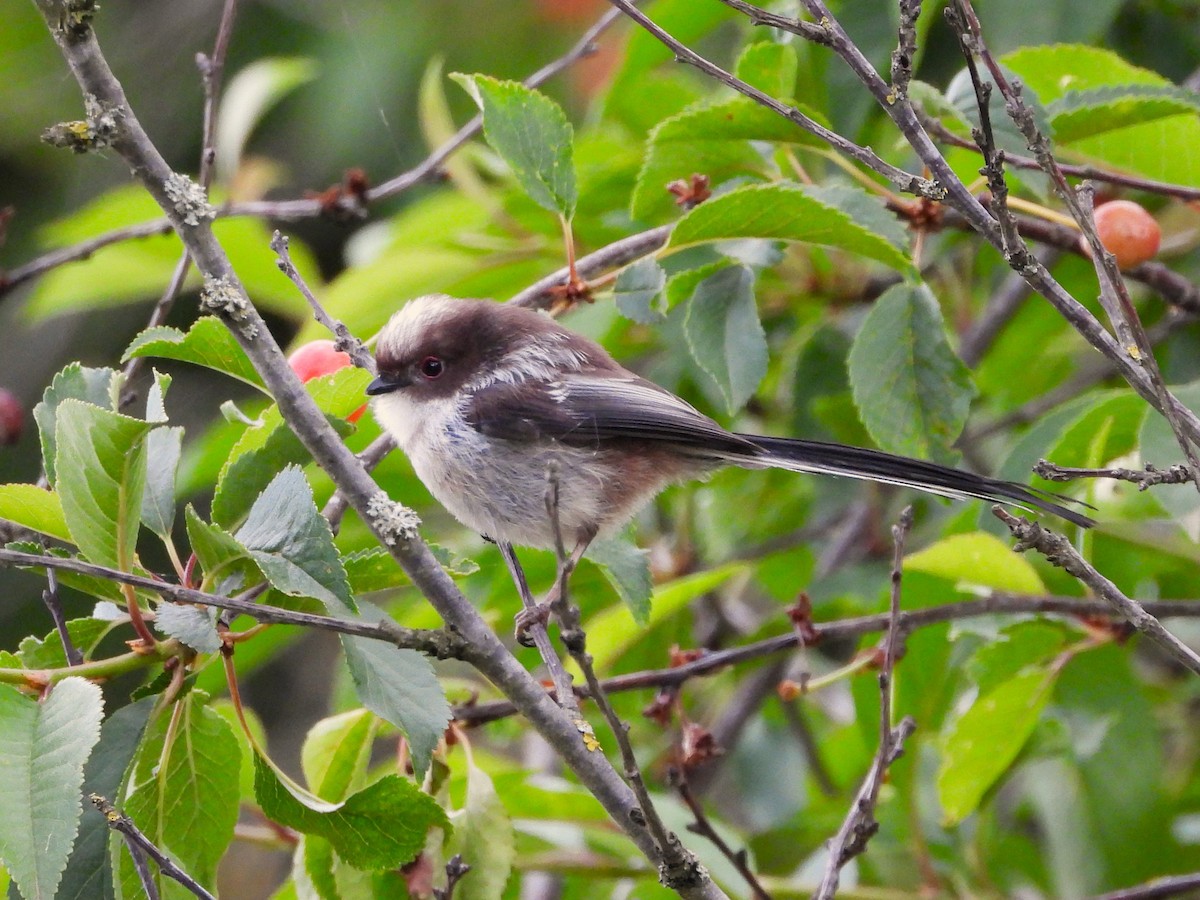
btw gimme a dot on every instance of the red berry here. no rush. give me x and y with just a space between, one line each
12 418
317 358
1128 232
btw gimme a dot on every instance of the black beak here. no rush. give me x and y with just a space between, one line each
385 384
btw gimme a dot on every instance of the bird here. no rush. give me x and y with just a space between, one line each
489 400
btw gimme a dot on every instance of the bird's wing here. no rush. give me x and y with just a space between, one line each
588 411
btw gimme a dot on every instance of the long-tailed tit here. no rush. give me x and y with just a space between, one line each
485 399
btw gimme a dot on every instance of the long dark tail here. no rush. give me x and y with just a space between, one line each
874 465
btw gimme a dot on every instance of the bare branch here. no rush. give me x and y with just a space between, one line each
860 824
346 342
1146 478
121 823
1059 552
710 663
703 827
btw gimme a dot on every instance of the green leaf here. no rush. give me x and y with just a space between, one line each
184 796
711 141
1016 647
317 871
156 398
34 508
770 67
287 537
483 836
339 394
829 217
981 745
89 873
977 559
1084 114
43 748
724 336
1157 445
336 753
400 687
101 462
193 625
48 653
912 391
207 343
713 138
637 288
382 826
531 132
225 562
627 567
373 569
1066 75
164 446
245 475
74 382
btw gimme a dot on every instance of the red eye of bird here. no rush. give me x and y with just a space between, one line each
432 367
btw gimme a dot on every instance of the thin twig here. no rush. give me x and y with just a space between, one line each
950 188
122 824
1158 889
307 208
713 662
1090 173
1088 376
138 857
904 181
860 824
435 643
1005 303
456 870
678 863
370 456
793 713
703 827
346 342
535 628
619 253
54 605
1143 478
1060 552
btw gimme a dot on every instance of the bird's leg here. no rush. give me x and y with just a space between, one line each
568 619
533 613
531 630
